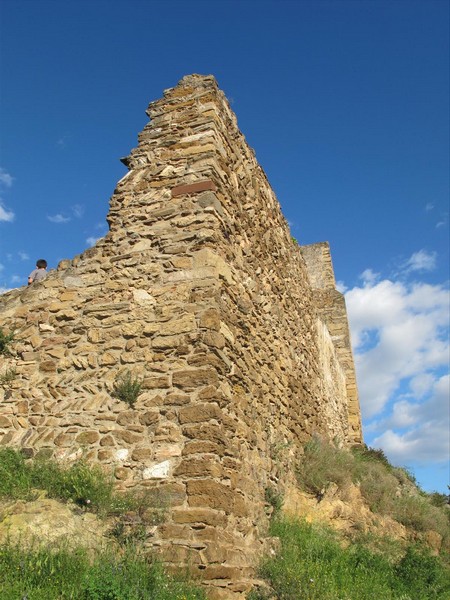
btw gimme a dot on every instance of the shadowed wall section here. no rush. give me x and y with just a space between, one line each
239 335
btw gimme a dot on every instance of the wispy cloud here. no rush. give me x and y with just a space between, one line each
429 206
58 218
16 279
92 240
443 222
102 226
5 178
5 214
62 142
78 210
23 256
421 261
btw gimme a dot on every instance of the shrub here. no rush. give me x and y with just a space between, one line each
5 342
322 464
416 512
274 498
439 500
127 388
8 377
377 484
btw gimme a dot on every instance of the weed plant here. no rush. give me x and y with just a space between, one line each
86 485
5 342
7 377
312 565
60 574
127 388
323 464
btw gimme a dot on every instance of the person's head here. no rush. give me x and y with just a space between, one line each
41 263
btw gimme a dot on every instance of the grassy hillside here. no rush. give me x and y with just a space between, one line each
367 561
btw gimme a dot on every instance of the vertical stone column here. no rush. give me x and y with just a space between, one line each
332 310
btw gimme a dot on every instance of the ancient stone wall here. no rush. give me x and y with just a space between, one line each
199 290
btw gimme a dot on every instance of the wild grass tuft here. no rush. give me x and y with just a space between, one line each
7 377
388 490
5 342
86 485
60 574
322 464
127 388
313 565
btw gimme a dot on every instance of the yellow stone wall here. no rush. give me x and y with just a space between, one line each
238 334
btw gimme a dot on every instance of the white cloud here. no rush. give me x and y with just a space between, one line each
399 335
341 287
59 218
5 178
369 276
92 240
421 261
400 338
23 256
6 215
429 206
427 435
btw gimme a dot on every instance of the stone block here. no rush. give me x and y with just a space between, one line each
211 494
5 423
88 437
149 418
48 366
193 378
199 413
198 467
156 382
193 188
141 454
184 324
208 516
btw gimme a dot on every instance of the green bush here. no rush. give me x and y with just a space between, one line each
5 342
322 464
7 377
127 388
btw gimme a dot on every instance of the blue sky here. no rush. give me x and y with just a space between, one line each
346 106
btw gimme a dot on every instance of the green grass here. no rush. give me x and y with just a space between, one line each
388 490
6 340
45 574
312 565
85 485
122 573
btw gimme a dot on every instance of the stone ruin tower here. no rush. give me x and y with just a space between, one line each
238 333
